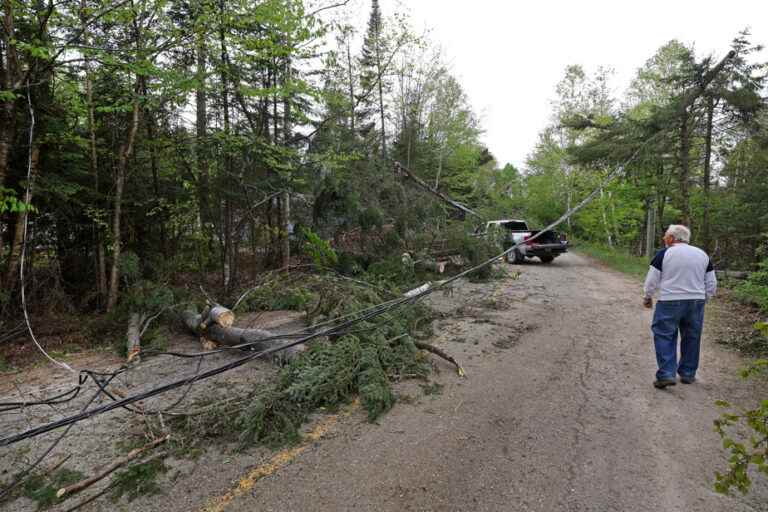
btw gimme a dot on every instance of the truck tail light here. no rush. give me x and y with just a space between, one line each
563 237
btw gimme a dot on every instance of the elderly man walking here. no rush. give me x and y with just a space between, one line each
685 278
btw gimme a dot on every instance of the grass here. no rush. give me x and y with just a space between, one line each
617 259
42 489
138 480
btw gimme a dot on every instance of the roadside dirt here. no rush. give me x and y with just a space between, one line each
557 413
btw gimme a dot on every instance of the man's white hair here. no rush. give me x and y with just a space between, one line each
679 232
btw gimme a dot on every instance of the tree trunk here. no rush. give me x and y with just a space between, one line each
614 224
605 219
227 267
101 265
564 168
126 150
650 229
93 165
7 131
156 179
285 213
705 226
662 186
380 78
351 90
684 176
8 71
133 335
201 124
8 78
21 221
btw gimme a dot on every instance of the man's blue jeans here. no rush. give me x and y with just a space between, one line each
686 316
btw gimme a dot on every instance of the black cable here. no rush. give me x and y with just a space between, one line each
150 412
54 400
20 478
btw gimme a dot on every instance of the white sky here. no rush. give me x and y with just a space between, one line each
509 55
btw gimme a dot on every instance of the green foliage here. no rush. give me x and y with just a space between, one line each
138 480
9 203
275 296
746 452
327 376
148 296
391 272
755 289
319 250
475 250
42 489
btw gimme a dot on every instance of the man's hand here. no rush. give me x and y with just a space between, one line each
648 302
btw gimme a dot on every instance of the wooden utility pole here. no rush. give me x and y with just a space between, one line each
650 229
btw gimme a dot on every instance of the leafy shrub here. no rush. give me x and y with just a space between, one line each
750 451
319 250
755 289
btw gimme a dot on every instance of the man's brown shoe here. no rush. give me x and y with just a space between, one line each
661 384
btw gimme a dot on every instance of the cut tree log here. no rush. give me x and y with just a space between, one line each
133 336
258 339
218 314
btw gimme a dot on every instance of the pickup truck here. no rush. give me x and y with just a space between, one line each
508 232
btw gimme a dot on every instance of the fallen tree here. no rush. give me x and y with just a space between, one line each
214 326
401 170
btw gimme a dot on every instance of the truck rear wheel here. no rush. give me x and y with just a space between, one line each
546 259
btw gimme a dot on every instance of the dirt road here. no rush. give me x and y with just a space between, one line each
557 414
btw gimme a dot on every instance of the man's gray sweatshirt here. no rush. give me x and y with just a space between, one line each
681 272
